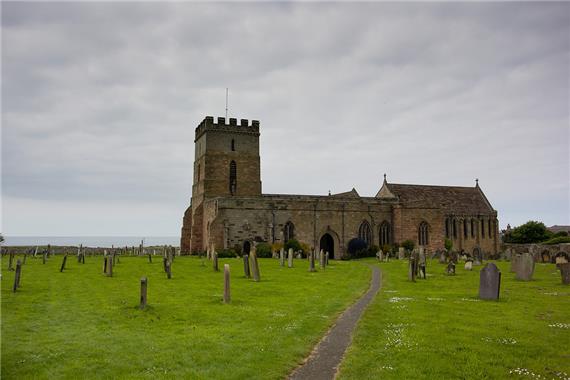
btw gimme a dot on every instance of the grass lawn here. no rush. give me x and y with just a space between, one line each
438 329
81 324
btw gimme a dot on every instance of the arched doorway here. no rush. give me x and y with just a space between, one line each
327 245
246 247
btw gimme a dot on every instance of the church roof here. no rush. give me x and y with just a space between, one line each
453 199
348 194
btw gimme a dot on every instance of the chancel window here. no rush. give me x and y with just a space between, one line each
233 178
423 234
473 228
482 229
464 228
385 233
364 232
288 231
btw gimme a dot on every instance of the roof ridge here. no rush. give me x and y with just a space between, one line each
419 185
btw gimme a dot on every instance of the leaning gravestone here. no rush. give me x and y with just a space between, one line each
565 273
254 266
525 268
489 282
246 266
63 263
17 276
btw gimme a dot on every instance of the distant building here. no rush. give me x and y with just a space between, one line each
555 229
228 208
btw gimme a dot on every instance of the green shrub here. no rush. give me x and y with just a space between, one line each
294 244
263 250
408 245
448 244
227 253
558 240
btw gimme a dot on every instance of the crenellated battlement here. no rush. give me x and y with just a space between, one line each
230 125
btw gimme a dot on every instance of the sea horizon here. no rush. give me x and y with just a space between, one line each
90 241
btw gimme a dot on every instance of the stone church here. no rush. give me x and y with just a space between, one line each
228 208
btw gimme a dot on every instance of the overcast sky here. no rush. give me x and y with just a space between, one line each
100 102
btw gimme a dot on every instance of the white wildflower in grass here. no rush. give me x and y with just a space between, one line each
399 299
470 299
560 325
551 294
395 337
388 367
278 314
390 291
506 341
435 299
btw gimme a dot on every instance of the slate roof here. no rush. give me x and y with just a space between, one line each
348 194
453 199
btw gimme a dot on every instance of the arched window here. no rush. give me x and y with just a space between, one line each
464 228
288 232
482 229
473 228
423 234
233 177
233 145
454 225
364 232
385 237
447 223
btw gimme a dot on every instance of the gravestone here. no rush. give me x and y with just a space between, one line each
565 273
412 269
442 257
422 264
477 256
215 262
469 264
525 268
290 258
515 262
322 259
164 260
227 297
282 256
144 283
150 258
17 275
168 269
254 266
63 263
11 261
560 259
246 271
48 250
104 265
489 282
312 261
401 253
109 266
36 251
450 268
25 257
380 255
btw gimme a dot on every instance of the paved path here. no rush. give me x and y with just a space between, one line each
326 357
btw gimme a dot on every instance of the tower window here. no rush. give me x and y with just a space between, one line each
233 177
233 145
364 232
447 235
482 229
465 228
423 233
454 225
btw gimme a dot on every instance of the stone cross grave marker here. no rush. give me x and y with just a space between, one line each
565 273
525 267
246 271
144 284
489 282
227 296
17 276
63 263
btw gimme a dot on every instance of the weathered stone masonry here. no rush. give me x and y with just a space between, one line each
228 209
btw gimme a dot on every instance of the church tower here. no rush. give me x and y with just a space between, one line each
226 164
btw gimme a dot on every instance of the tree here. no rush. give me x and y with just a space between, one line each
530 232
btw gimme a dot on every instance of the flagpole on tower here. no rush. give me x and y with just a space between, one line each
226 103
